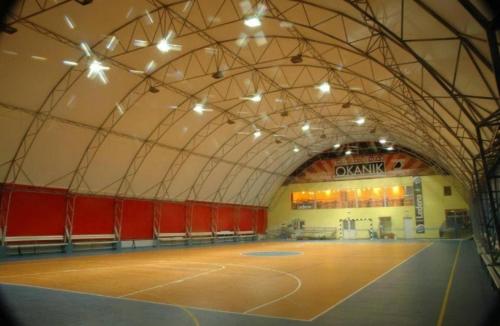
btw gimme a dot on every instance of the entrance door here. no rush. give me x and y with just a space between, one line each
349 229
408 226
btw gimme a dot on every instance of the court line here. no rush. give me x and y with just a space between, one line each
174 281
190 314
369 283
151 302
442 312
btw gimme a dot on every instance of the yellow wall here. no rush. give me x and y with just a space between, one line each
435 203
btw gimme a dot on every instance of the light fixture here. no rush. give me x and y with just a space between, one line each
85 47
199 108
324 87
257 133
348 152
165 46
96 69
218 74
256 98
306 127
382 141
70 63
296 149
296 58
252 22
390 148
359 121
337 145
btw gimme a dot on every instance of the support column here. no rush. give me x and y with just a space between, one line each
5 199
157 205
118 218
68 223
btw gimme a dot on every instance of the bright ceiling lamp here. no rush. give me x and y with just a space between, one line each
296 149
359 121
96 69
257 133
252 21
390 148
199 108
324 87
337 145
165 46
256 98
382 141
306 127
348 152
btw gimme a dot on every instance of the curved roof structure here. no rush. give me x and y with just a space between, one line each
220 100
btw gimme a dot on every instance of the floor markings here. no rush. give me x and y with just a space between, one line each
442 312
369 283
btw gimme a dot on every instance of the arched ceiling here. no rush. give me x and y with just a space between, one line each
418 71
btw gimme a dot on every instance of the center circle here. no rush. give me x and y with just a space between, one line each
271 253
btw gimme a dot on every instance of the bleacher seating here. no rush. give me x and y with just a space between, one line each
201 236
171 237
247 235
92 240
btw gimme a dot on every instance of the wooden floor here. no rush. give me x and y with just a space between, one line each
224 278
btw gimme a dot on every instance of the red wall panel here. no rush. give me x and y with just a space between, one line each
173 217
262 220
201 218
246 219
36 213
137 221
225 218
93 215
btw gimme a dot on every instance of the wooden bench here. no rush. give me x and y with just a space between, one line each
171 237
201 236
250 234
93 239
225 234
33 242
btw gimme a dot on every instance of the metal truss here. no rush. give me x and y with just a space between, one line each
431 124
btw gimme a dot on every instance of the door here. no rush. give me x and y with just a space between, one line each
408 227
349 229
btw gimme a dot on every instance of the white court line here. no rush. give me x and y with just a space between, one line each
369 283
175 281
299 285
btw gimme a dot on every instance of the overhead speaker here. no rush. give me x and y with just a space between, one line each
8 29
218 74
346 105
153 89
230 122
84 2
296 58
284 114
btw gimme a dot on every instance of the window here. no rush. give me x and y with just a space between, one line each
447 190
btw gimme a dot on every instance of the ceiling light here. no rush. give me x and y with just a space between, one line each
96 69
218 74
348 152
337 145
306 127
141 43
359 121
296 58
382 141
257 133
252 22
70 63
296 149
199 108
324 87
390 148
85 47
69 22
256 98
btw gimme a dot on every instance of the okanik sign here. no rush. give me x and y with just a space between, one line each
360 170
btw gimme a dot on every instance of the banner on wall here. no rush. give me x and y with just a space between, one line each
360 170
419 204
